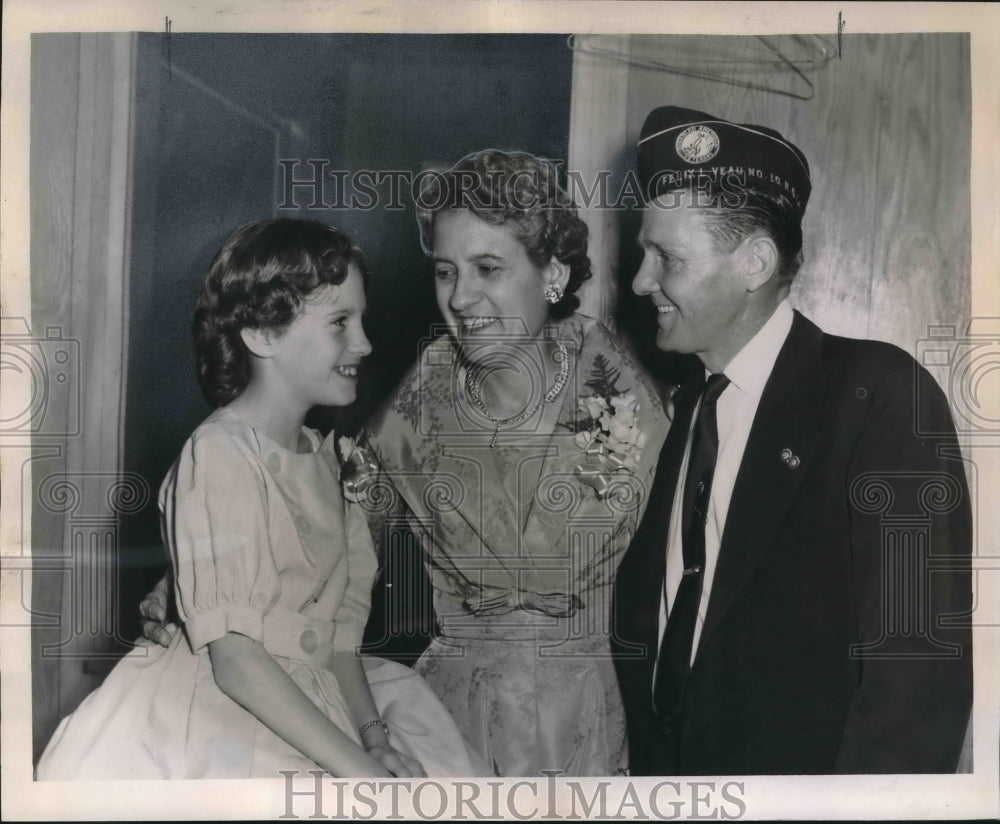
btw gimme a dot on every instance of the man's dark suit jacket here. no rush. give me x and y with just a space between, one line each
834 639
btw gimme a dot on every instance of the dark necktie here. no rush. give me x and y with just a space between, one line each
674 660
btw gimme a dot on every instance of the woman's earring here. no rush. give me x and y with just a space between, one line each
553 292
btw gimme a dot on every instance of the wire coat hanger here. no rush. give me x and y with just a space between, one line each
825 54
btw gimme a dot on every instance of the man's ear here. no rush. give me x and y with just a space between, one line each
260 342
556 273
760 260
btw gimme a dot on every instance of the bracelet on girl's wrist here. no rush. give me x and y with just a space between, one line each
375 722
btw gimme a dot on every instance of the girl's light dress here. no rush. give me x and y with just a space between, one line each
263 544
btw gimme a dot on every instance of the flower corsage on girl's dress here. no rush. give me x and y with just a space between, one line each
358 470
607 432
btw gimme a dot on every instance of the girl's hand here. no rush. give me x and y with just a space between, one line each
400 765
153 609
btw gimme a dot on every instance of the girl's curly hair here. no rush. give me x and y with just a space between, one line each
521 191
259 280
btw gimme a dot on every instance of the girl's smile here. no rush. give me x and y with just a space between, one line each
316 356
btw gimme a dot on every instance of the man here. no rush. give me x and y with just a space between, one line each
795 599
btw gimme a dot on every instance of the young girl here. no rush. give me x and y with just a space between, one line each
273 569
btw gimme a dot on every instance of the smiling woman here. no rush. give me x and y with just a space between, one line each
509 254
491 296
518 449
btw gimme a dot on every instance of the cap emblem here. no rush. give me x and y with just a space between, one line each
696 144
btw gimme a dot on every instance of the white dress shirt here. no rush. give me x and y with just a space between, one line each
748 372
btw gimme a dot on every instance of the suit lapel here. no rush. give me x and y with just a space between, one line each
787 418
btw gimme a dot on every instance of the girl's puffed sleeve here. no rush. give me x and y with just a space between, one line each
352 614
212 511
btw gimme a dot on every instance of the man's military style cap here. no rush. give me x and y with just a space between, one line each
686 149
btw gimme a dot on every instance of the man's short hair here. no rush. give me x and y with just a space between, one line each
770 212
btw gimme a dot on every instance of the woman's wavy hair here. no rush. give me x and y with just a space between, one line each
522 192
259 280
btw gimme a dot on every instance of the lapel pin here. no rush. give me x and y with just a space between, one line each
789 458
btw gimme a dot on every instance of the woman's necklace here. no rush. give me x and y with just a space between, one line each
475 392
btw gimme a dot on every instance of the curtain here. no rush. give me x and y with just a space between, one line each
81 148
